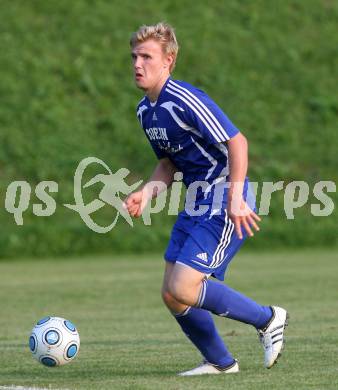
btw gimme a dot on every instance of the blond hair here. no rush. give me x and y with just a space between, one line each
160 32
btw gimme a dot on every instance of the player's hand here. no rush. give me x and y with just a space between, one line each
242 216
135 203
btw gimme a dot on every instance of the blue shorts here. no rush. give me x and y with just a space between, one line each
204 243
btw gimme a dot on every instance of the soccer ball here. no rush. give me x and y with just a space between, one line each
54 341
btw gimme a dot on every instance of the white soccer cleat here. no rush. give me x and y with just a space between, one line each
272 337
208 368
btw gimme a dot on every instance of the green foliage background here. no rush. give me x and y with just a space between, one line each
66 93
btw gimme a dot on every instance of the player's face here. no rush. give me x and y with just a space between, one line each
150 65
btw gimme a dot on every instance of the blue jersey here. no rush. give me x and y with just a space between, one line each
187 127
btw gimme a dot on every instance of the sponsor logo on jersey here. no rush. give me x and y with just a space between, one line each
170 149
157 133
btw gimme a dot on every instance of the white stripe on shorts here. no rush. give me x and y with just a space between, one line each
217 258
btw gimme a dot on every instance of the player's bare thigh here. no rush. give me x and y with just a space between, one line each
185 284
181 286
172 304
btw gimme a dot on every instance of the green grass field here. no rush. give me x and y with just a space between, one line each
130 341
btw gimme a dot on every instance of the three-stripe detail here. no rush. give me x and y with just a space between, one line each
200 109
218 256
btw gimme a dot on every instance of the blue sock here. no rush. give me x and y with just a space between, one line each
226 302
199 327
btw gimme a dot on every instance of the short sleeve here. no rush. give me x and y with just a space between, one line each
203 114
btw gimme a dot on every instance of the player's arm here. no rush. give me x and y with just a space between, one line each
164 175
238 210
215 127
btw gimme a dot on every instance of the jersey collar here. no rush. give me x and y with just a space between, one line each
160 96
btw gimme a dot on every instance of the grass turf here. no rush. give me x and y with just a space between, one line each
130 341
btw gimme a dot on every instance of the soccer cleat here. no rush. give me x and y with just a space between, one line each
272 336
208 368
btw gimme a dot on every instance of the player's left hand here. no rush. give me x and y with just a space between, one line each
242 216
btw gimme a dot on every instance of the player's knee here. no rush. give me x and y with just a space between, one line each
167 298
178 291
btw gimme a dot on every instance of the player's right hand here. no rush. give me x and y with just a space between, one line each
135 203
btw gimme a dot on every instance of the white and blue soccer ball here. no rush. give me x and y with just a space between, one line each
54 341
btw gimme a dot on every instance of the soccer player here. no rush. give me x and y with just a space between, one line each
189 133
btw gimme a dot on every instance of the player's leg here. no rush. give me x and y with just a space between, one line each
179 235
189 286
199 327
208 250
172 304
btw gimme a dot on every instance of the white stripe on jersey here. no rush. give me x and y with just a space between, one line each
221 179
199 106
223 149
169 107
208 156
141 100
196 111
208 114
140 111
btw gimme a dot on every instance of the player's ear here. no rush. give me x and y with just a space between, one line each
169 59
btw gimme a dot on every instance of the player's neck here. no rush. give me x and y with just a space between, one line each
154 93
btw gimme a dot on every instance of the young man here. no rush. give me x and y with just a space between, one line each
189 133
